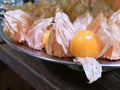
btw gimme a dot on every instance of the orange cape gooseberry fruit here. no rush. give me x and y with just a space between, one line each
45 37
86 43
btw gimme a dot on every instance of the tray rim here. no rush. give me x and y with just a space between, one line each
56 60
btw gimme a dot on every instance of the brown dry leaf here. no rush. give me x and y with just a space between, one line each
113 4
46 9
101 7
42 9
74 8
16 24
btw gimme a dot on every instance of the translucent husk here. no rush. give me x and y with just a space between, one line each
16 24
34 37
91 66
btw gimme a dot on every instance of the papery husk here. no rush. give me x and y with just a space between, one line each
60 36
105 35
53 48
100 26
114 22
112 29
64 30
16 25
95 23
82 22
91 66
115 17
34 37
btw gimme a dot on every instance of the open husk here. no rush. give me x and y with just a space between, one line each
114 22
60 38
82 22
16 24
34 37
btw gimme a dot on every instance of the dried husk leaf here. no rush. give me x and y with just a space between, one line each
36 33
114 53
101 27
53 48
92 68
16 24
115 17
82 22
64 30
114 22
106 36
95 23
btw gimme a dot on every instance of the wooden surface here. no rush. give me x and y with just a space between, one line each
9 80
43 75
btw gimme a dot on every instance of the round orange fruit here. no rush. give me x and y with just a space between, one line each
85 43
45 37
